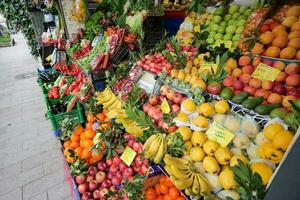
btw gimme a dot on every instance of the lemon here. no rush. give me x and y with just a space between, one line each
198 138
234 160
185 132
221 106
223 155
193 79
210 147
206 110
188 145
264 170
271 130
188 78
181 116
282 140
188 106
269 152
174 73
226 179
210 164
197 153
181 75
200 122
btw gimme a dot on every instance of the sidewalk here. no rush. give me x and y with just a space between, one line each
31 165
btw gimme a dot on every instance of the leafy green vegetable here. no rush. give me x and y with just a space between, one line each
67 128
79 166
135 22
176 146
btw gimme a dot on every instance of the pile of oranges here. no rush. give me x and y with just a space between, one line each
163 190
81 140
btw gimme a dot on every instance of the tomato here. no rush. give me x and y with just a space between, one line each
150 194
174 192
164 189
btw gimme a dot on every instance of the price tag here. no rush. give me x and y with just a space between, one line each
208 67
128 156
218 133
265 72
165 108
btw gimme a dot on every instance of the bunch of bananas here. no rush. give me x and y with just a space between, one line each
115 111
108 99
155 147
185 176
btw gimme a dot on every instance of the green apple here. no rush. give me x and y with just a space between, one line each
231 22
235 43
210 17
218 36
227 37
233 8
217 19
241 22
222 24
210 40
219 11
239 29
214 27
222 29
242 9
236 15
227 17
236 37
248 12
208 29
230 29
244 17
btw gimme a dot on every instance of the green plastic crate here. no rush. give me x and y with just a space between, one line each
76 116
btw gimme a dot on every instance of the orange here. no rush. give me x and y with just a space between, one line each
100 117
78 151
168 183
75 137
86 153
163 179
67 144
70 159
86 143
180 198
96 156
150 194
89 126
66 152
106 119
105 125
90 134
157 189
90 118
104 111
167 197
74 145
174 192
160 197
78 130
164 188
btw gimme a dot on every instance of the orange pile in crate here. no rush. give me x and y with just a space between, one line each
163 190
82 140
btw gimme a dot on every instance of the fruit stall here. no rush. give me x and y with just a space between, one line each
212 112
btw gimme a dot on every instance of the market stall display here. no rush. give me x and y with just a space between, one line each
216 118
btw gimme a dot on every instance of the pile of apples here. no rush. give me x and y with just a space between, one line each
155 63
285 87
109 175
153 107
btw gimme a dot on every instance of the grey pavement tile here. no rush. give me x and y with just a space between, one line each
31 175
12 170
41 196
59 192
15 194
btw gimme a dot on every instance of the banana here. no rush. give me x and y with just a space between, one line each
185 183
196 186
114 105
102 99
179 162
204 185
188 191
178 173
168 170
110 102
161 152
149 141
153 147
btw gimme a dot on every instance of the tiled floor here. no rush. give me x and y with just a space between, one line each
31 164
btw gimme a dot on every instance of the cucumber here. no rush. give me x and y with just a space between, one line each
266 109
251 103
240 98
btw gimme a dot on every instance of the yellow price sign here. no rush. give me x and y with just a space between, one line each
218 133
128 156
165 108
208 67
265 72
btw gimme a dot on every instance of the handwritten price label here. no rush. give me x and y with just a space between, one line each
128 156
165 108
218 133
265 72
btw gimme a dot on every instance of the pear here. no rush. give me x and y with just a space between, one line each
223 155
210 164
210 147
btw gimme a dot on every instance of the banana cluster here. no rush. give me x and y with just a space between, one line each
185 176
109 100
115 111
155 148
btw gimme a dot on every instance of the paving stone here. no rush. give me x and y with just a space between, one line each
59 192
42 196
15 194
31 175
